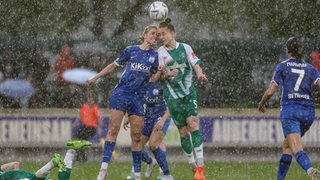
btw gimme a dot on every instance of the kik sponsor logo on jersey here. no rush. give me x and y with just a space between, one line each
139 67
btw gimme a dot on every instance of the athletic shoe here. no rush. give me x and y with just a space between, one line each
130 176
314 174
102 174
150 168
167 177
57 162
199 175
159 177
77 144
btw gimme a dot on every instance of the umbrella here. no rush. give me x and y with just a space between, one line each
16 88
78 75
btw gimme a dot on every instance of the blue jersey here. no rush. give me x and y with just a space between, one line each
156 108
154 99
297 78
140 64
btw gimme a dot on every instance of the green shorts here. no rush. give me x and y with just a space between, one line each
182 108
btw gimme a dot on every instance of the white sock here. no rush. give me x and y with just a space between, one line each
104 165
137 175
45 170
199 155
160 170
191 160
68 159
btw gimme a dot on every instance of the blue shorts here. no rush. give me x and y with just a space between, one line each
132 104
296 119
151 120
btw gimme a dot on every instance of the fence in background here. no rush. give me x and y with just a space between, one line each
244 131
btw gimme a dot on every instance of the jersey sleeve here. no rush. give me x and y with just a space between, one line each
123 58
192 58
316 76
276 77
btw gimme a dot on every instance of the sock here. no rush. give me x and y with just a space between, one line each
64 174
68 159
187 149
145 157
137 156
107 151
162 160
45 170
303 160
198 148
284 165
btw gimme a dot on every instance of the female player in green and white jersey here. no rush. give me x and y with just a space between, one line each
180 93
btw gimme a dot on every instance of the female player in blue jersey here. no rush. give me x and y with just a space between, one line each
140 62
297 106
156 124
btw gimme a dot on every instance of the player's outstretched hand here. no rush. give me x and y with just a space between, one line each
90 81
262 108
202 78
173 72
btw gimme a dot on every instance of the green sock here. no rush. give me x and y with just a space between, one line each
196 138
64 175
186 145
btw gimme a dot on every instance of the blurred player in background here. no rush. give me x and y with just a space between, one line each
180 94
297 107
140 61
156 124
65 166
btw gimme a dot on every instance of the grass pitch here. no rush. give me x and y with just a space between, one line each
181 171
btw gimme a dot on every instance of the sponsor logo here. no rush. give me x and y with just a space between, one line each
139 67
152 59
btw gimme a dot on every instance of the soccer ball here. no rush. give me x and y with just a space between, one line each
158 11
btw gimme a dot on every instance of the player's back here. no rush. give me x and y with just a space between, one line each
297 78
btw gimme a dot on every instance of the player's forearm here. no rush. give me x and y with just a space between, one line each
106 70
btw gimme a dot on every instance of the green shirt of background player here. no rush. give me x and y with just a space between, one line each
177 62
11 170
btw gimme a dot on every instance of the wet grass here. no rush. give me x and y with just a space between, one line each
181 171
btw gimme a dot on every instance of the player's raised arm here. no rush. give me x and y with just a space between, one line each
103 72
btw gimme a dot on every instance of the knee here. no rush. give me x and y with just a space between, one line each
193 123
184 132
113 133
153 146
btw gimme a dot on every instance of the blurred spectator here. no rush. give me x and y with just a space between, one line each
37 71
315 59
9 66
1 77
64 62
91 123
68 94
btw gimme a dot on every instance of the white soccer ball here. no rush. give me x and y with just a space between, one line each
158 11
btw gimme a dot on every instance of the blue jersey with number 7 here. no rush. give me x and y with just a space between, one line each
297 78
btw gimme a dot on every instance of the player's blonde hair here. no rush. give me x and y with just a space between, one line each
146 30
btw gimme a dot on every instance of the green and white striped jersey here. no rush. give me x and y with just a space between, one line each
183 59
